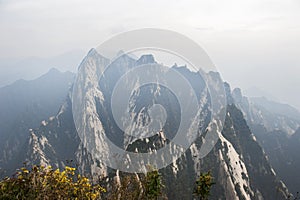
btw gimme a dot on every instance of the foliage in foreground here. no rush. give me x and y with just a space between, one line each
46 183
203 186
147 186
153 185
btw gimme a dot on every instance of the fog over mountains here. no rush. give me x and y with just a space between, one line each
24 105
31 68
255 157
276 127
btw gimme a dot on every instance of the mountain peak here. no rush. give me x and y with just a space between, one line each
54 70
146 59
94 53
229 97
120 53
237 95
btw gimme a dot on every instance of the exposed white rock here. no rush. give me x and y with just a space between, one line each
236 168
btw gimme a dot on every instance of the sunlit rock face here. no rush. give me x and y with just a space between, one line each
237 162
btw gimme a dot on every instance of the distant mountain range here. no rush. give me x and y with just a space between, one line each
277 128
33 67
239 161
23 105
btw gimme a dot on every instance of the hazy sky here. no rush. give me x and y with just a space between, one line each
252 42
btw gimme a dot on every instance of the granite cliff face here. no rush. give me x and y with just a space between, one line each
237 162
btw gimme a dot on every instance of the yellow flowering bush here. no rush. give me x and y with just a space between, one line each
46 183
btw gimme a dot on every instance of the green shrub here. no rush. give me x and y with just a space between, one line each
147 186
153 184
203 186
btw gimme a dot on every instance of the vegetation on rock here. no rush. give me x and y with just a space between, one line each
203 186
46 183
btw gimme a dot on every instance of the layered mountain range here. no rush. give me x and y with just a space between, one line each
238 162
25 105
276 127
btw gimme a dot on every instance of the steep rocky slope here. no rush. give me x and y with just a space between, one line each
237 162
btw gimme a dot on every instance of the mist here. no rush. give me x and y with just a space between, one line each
252 43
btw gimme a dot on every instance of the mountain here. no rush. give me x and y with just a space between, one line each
276 127
25 104
237 162
33 67
270 114
256 92
276 108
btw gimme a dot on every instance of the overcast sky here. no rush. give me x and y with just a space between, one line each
252 42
